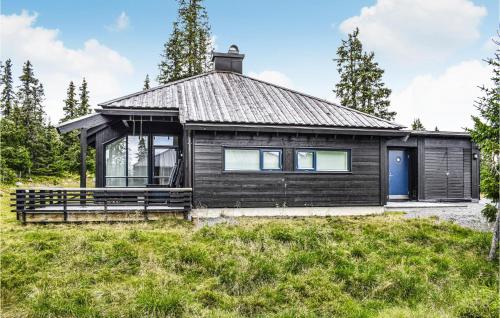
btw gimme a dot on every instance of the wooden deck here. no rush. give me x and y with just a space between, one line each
46 205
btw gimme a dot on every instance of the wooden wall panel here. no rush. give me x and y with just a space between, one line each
455 173
435 173
467 173
214 187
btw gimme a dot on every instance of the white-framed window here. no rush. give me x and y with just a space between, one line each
252 159
323 160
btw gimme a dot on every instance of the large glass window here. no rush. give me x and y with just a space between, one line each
127 162
165 160
252 159
137 161
323 160
116 163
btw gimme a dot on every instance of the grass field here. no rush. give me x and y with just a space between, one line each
381 266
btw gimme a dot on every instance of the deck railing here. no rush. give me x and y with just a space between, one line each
99 200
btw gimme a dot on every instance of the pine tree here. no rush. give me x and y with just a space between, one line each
146 83
417 124
360 86
70 107
7 95
187 52
486 134
84 105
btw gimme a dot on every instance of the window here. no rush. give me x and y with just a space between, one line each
271 159
252 159
164 159
127 162
116 163
323 160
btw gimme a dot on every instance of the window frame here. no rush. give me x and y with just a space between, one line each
150 177
314 169
261 159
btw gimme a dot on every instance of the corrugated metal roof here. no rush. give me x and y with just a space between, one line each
226 97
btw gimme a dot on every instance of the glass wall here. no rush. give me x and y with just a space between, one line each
127 162
116 163
137 161
164 159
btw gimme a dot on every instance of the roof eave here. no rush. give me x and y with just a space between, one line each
296 129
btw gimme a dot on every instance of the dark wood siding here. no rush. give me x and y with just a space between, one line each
448 169
467 161
435 173
455 173
214 187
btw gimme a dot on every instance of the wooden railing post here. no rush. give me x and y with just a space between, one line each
31 202
65 205
146 194
42 198
21 204
105 196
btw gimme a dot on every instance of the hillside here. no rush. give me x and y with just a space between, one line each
384 266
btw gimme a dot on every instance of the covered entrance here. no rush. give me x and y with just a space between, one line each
402 171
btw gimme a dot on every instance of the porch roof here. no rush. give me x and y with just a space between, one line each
232 98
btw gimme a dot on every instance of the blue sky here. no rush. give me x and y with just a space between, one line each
432 51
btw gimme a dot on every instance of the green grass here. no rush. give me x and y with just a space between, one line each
383 266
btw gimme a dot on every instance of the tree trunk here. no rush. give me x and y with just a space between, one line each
494 240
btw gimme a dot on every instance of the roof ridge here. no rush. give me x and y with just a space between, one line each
106 103
316 98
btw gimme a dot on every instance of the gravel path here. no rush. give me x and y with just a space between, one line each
467 216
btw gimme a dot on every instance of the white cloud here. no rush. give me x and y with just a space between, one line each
55 64
274 77
121 23
413 30
446 100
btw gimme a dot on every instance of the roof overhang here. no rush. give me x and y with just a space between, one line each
84 122
297 129
450 134
138 112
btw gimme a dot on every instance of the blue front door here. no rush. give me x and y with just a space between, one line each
398 173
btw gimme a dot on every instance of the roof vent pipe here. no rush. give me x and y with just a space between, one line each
232 61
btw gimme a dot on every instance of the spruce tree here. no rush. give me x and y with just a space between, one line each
70 107
84 105
7 95
417 124
146 83
361 86
187 52
486 134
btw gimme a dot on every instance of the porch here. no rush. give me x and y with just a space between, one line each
48 205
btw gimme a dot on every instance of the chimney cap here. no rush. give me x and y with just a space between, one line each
233 49
232 61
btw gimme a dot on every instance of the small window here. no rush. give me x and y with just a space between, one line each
271 160
252 159
164 141
305 160
323 160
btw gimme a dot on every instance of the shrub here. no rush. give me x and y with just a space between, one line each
489 212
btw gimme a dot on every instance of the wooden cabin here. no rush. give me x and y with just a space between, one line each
233 141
